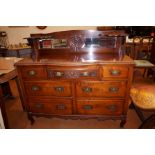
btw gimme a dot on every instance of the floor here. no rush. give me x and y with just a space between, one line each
18 119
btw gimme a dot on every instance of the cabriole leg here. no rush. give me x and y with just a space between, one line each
122 123
30 118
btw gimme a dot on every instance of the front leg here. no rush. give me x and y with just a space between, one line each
123 121
30 117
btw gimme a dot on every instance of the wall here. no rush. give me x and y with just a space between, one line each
16 34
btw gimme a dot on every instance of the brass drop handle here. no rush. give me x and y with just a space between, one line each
85 74
59 89
88 107
31 73
35 88
39 105
115 72
113 89
111 107
60 107
59 74
87 89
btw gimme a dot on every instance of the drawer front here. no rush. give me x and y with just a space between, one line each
37 72
50 106
100 89
73 73
49 88
100 107
115 72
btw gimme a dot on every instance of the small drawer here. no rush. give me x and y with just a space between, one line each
115 72
100 107
31 72
100 89
49 88
50 106
73 73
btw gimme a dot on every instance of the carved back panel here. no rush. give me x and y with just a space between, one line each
77 41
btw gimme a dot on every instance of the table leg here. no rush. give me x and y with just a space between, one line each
3 109
6 90
20 92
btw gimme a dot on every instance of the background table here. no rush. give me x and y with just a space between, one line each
7 73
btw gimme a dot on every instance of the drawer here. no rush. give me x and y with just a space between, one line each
100 107
50 106
115 72
73 72
100 89
31 72
48 88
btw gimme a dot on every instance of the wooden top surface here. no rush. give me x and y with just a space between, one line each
7 69
6 77
7 63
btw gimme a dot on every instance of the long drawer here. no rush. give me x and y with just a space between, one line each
101 89
100 107
48 88
50 106
83 72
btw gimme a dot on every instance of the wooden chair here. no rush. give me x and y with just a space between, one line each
143 93
145 48
151 71
139 48
143 100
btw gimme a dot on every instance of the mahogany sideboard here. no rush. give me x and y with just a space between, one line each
76 74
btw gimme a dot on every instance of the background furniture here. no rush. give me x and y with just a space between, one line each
143 97
77 75
3 52
139 48
7 73
151 71
20 52
3 39
3 43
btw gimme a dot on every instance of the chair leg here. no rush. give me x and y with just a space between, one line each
139 113
149 123
145 72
